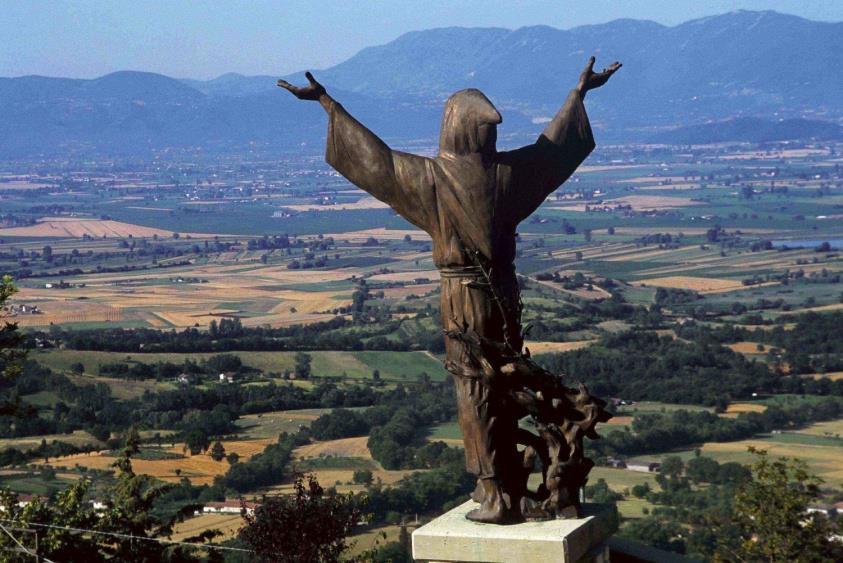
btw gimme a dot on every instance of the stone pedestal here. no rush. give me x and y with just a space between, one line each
452 538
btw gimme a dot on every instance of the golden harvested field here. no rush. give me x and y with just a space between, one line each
831 427
200 469
745 347
734 409
66 227
228 524
402 292
59 312
380 234
252 291
701 285
833 375
822 460
540 347
344 447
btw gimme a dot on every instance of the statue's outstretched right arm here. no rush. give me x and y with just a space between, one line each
401 180
542 167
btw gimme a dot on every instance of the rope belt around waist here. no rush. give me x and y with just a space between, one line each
461 272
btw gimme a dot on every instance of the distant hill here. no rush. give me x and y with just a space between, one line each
751 130
737 64
705 68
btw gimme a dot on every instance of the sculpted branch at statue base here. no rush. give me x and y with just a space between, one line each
470 198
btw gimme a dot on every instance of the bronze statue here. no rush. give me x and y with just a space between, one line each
470 199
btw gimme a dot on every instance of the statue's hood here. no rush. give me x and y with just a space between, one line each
465 112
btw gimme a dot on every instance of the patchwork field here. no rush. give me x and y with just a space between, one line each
539 347
64 227
819 445
701 285
227 524
77 438
396 366
271 424
200 468
255 294
334 462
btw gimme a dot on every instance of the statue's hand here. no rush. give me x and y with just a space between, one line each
590 79
313 91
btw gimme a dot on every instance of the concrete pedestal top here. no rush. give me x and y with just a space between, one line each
452 538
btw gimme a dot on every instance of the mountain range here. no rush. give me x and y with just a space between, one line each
759 65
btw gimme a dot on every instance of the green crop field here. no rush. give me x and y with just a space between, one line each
271 424
76 438
396 366
34 483
446 431
650 407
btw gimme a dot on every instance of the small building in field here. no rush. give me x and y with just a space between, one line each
230 507
616 463
644 466
828 510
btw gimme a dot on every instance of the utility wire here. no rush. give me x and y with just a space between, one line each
119 535
23 547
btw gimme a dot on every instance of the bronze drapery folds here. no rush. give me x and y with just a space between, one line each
470 199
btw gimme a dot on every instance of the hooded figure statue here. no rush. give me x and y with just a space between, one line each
470 198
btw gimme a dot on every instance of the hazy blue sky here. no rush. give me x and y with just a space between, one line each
194 39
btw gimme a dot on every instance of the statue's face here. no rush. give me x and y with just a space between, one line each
488 137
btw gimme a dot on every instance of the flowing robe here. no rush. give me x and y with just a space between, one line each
470 203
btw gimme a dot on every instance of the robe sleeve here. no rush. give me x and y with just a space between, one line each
401 180
538 169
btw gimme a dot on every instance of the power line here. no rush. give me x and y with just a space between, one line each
119 535
23 547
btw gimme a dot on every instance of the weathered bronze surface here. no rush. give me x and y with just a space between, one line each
470 199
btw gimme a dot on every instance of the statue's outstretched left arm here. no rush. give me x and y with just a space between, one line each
540 168
399 179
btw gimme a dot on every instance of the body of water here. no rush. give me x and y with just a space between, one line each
808 243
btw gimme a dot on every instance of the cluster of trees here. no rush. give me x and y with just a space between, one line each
740 514
812 346
127 530
309 525
671 297
340 423
45 450
264 469
163 371
229 335
641 365
197 413
399 428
